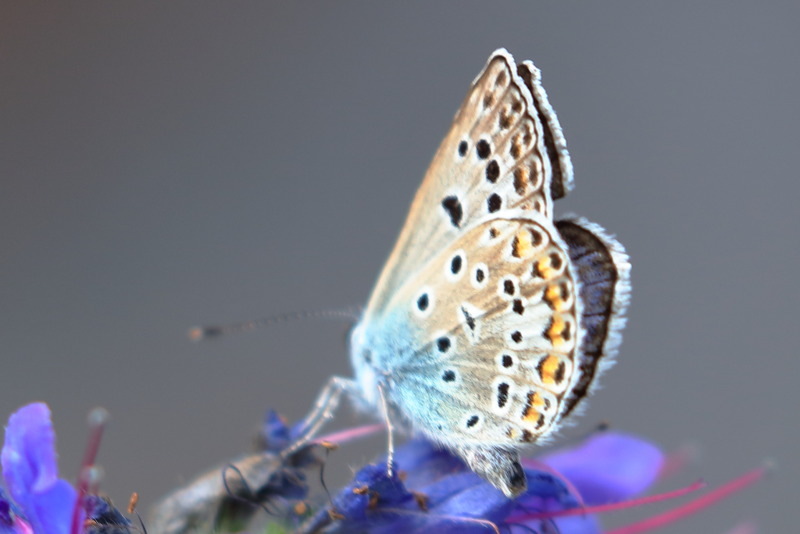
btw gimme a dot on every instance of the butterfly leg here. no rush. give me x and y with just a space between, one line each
324 408
390 433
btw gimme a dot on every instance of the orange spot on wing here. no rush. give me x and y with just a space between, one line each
554 297
533 401
556 331
521 178
544 269
548 368
530 415
522 246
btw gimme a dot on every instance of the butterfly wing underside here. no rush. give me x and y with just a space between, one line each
511 315
504 150
500 312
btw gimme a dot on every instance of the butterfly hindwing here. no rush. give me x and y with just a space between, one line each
495 314
603 275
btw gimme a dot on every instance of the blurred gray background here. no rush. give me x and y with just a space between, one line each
166 165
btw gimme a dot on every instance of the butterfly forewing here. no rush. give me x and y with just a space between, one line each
494 157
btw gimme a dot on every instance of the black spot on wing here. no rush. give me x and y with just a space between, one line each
455 264
492 171
470 320
494 203
423 302
483 149
502 394
453 208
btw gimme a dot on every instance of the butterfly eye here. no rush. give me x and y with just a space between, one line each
462 148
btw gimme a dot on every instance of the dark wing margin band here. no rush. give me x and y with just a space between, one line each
554 141
603 272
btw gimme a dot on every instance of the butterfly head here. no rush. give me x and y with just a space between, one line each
363 360
377 347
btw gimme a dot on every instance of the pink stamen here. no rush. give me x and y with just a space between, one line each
22 526
677 461
694 506
351 434
97 422
611 507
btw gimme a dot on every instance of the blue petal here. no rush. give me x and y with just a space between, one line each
424 462
609 467
51 510
586 524
458 501
6 510
275 432
474 498
30 469
29 456
363 503
10 528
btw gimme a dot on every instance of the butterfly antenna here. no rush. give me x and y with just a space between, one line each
200 333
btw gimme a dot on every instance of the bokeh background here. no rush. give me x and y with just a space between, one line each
172 164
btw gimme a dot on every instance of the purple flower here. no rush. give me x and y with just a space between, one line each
438 493
30 470
39 501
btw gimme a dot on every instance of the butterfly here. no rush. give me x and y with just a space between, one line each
491 320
